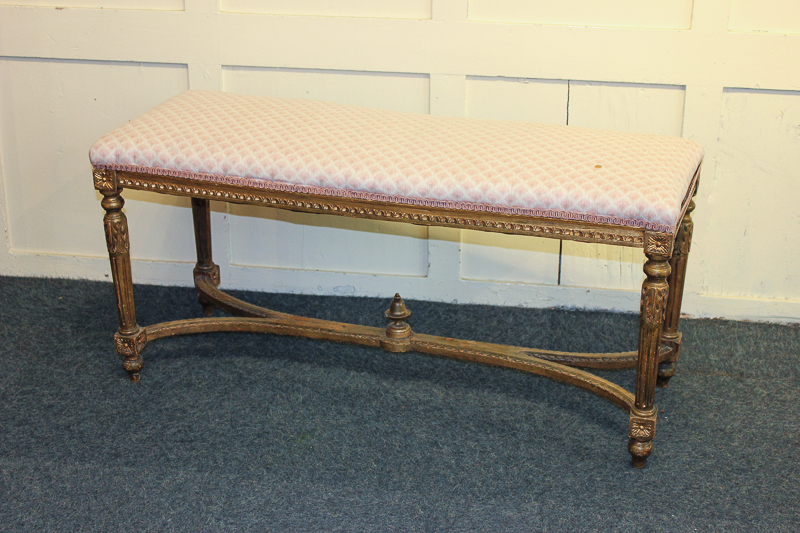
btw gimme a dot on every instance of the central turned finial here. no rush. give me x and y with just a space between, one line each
397 314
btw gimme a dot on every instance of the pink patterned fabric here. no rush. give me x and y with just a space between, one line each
347 151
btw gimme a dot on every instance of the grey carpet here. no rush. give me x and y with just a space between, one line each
239 432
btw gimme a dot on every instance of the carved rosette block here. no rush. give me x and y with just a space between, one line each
642 426
131 347
658 243
130 344
641 431
105 180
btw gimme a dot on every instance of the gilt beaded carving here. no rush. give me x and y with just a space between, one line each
620 237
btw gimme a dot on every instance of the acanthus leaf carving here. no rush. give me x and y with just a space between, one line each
116 234
654 303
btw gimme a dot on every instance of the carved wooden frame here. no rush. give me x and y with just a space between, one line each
662 290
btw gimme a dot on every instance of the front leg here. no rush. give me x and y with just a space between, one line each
130 339
642 427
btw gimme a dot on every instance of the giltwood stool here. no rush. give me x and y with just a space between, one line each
529 179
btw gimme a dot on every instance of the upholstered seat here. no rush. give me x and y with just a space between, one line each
326 149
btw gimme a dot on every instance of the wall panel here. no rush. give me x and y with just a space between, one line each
512 258
755 252
281 239
52 113
403 9
384 90
773 16
618 13
634 107
160 5
523 99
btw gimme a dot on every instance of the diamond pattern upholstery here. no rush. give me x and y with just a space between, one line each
338 150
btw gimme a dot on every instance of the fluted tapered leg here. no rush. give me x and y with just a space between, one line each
655 290
680 256
130 339
201 213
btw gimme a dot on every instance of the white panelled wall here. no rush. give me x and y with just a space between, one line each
723 72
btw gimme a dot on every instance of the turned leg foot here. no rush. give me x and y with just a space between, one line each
130 346
134 368
639 452
665 372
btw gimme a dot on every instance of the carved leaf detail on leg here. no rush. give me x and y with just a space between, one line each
654 301
116 235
